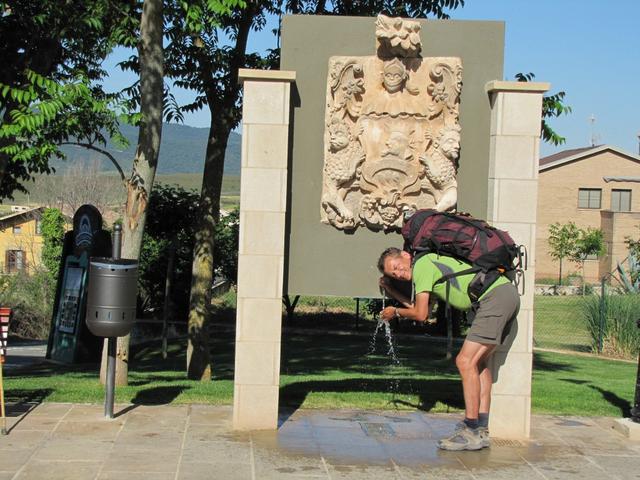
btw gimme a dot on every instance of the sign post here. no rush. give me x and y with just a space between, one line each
5 315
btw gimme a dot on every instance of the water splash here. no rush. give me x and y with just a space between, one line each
391 349
394 384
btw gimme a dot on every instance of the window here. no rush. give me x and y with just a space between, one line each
15 261
621 200
589 197
17 229
38 226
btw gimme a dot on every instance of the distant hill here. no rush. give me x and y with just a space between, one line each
181 151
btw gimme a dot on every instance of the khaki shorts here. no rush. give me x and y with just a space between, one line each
493 315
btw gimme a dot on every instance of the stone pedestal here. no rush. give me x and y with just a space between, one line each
263 194
516 109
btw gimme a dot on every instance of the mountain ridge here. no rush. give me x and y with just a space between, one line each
182 150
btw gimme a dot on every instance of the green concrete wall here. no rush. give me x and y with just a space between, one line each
321 259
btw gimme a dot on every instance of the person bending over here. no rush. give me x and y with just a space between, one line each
493 315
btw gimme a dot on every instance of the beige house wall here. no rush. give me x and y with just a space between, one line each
558 202
618 226
27 240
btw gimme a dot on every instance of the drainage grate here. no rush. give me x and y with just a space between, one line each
377 429
500 442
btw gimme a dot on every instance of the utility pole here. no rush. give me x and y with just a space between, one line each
592 120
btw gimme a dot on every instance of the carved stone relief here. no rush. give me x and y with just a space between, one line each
392 136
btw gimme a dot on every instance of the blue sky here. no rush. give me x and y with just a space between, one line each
582 47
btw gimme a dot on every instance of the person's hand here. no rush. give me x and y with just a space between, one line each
388 313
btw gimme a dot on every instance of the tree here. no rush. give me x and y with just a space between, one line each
589 242
52 51
552 106
80 184
143 171
52 237
168 231
205 50
562 242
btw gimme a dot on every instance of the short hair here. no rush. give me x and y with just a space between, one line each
389 252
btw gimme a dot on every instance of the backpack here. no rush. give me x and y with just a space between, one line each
490 251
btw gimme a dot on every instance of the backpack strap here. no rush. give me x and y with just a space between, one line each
449 276
446 278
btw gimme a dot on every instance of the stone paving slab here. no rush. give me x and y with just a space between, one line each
71 441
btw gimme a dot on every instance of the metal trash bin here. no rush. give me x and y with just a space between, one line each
111 300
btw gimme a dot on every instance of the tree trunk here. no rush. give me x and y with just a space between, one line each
198 358
223 119
560 273
143 172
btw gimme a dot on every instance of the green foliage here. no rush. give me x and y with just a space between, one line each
614 320
31 298
171 222
562 242
225 253
49 90
590 241
630 277
552 106
569 241
171 217
52 237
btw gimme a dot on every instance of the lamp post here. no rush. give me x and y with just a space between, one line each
635 411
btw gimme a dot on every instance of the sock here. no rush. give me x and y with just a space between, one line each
483 420
472 423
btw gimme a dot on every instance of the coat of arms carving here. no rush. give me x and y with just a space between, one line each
392 133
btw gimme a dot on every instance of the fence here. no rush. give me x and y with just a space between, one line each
572 323
560 323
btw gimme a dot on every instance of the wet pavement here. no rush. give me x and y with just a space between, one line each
71 441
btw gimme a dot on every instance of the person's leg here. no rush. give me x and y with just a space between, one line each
467 361
467 434
486 381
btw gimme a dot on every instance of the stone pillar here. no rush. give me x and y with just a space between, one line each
516 109
263 195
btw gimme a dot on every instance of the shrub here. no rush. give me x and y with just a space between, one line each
620 335
171 222
31 298
52 237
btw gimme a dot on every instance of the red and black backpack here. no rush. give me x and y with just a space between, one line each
490 251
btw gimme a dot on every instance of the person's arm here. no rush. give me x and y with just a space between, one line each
387 285
418 312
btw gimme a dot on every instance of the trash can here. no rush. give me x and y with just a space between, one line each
111 300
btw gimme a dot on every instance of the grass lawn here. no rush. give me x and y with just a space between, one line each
323 370
560 323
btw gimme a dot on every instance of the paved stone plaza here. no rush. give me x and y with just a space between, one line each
69 441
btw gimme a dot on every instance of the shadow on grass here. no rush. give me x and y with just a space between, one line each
623 405
429 392
542 362
158 395
21 397
615 400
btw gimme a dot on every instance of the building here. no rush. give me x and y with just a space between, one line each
596 187
21 240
